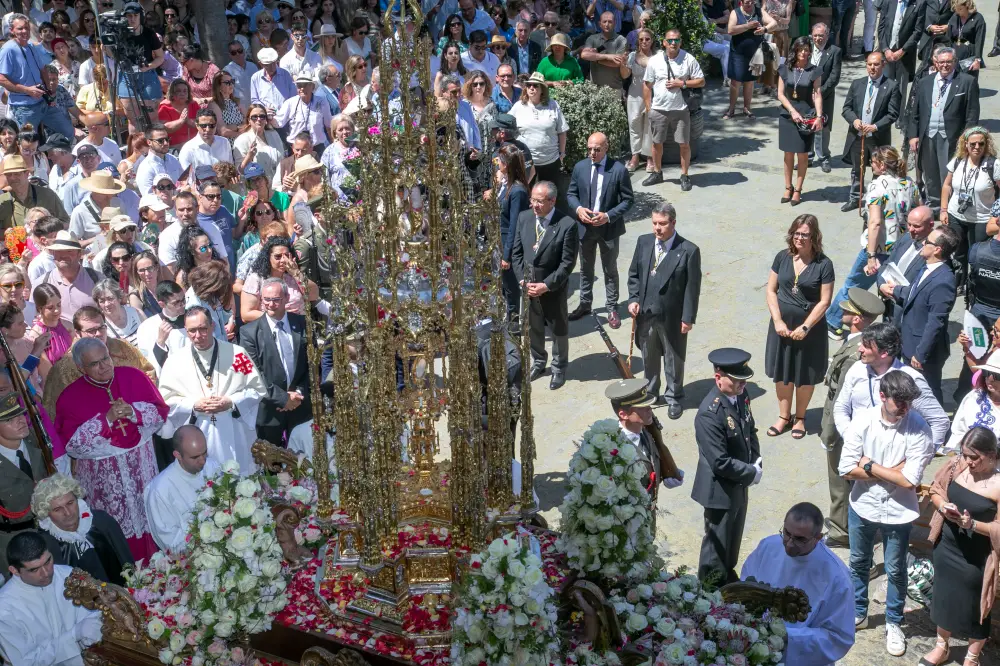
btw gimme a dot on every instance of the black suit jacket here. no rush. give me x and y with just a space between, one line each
909 32
884 112
257 339
552 262
670 293
961 108
727 450
534 56
829 64
616 196
925 310
936 12
514 201
899 248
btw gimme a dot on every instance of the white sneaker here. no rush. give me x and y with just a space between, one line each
895 641
861 622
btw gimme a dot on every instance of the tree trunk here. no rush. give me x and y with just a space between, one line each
213 30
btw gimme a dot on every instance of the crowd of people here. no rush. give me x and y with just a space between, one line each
154 292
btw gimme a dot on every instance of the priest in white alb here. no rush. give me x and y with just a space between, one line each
797 557
39 626
214 385
172 494
107 418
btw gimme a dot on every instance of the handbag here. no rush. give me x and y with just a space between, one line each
692 96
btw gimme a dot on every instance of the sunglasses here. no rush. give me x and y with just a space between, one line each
166 188
297 37
263 211
169 15
120 260
258 116
673 41
530 85
236 53
264 21
551 24
479 84
212 197
12 287
363 33
206 125
202 249
165 139
976 144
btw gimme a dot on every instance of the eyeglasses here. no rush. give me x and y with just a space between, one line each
227 83
206 125
267 299
236 53
673 41
539 202
169 187
802 236
162 139
202 249
264 21
12 287
148 269
505 76
94 331
302 85
479 84
213 197
530 85
298 36
165 15
551 24
362 33
797 540
258 116
263 211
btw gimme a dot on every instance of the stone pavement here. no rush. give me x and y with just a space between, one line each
734 216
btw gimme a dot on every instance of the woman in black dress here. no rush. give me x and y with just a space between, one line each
747 24
798 91
798 293
964 530
967 30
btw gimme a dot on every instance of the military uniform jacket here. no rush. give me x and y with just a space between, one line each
840 363
15 492
727 449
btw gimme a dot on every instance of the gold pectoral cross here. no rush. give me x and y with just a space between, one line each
120 425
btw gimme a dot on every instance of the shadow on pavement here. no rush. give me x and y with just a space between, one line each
598 367
718 178
551 488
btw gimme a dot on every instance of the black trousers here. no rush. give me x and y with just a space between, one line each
589 245
932 157
662 344
720 549
511 292
971 234
536 336
855 193
278 434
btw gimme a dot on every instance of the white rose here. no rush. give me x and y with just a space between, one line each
206 532
300 494
589 452
271 568
702 606
516 569
244 507
155 628
177 641
246 583
475 632
605 523
223 519
605 487
231 467
166 656
636 623
223 630
208 617
665 627
240 540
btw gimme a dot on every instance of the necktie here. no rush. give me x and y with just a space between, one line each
593 186
871 96
539 231
23 463
286 352
660 251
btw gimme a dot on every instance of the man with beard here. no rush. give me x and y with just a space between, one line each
797 557
77 535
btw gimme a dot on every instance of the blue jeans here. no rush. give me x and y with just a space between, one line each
855 278
895 543
54 118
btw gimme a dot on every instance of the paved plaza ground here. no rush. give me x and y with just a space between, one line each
734 216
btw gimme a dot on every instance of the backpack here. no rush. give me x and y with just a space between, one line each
987 168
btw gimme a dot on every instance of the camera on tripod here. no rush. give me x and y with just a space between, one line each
115 36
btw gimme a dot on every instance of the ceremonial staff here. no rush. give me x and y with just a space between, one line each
41 437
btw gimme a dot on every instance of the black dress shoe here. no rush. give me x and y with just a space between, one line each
536 372
654 178
826 166
849 206
580 312
994 52
558 379
674 411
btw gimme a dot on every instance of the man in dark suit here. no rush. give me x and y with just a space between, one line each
664 284
870 109
860 310
901 22
512 361
829 60
600 193
21 466
276 343
526 53
937 13
944 105
925 306
729 463
545 246
905 255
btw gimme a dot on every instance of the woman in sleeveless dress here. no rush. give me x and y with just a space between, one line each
966 541
747 24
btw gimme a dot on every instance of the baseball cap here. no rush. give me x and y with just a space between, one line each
160 177
132 8
152 201
267 56
86 149
204 172
253 170
108 166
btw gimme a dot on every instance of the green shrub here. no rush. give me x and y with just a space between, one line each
683 15
591 108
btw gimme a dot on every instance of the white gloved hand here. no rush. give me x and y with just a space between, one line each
671 482
88 631
759 466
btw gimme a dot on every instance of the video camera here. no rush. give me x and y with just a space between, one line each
115 36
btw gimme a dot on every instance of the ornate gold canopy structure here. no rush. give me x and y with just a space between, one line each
415 267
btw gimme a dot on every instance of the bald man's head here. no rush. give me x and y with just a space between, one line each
920 222
597 147
190 448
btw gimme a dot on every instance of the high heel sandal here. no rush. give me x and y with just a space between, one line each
729 115
947 653
799 434
799 192
788 198
972 659
748 114
774 432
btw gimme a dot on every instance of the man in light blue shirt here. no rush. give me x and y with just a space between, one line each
451 90
21 66
158 160
271 86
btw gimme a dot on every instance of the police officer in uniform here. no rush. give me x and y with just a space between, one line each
729 463
982 295
860 310
21 465
633 406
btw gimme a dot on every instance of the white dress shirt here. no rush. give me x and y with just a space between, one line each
928 269
868 106
603 164
888 445
11 454
196 153
154 165
489 64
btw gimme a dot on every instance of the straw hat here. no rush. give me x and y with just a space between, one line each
64 241
14 164
499 40
102 182
559 39
536 77
304 165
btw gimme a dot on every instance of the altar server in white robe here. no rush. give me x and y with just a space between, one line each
215 386
798 557
172 494
39 626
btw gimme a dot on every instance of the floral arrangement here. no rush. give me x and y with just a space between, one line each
299 490
685 625
507 613
16 240
607 528
227 586
590 108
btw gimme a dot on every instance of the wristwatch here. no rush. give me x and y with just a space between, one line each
805 328
868 468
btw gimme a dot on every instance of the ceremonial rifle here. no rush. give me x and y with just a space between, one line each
668 468
34 419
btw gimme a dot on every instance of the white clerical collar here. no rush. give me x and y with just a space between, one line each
11 454
78 536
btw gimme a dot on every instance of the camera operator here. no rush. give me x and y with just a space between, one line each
21 66
147 50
